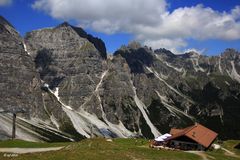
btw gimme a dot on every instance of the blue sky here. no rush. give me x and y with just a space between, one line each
207 26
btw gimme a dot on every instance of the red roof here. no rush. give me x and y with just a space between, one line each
175 131
197 132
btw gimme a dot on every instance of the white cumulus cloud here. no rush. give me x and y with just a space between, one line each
149 21
5 2
107 16
174 44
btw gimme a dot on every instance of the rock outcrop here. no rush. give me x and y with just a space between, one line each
19 80
72 90
74 68
20 91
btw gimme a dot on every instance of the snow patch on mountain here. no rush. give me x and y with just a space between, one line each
25 48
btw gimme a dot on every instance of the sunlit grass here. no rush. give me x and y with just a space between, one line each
117 149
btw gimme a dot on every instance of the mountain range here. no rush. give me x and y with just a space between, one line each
70 88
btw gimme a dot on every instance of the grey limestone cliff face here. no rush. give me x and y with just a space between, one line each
20 83
181 89
94 95
20 90
118 96
74 68
63 77
64 59
150 77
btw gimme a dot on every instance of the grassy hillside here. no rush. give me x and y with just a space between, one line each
26 144
118 149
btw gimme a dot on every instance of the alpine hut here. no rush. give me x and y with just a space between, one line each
196 137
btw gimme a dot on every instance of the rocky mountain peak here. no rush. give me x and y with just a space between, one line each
3 21
191 54
5 26
64 24
136 56
134 45
72 91
231 54
97 42
65 31
19 80
164 52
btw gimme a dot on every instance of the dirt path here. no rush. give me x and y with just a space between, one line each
202 154
28 150
206 157
229 153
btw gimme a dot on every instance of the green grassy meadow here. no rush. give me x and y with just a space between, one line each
117 149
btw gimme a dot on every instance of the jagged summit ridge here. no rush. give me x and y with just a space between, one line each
3 21
66 27
74 91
